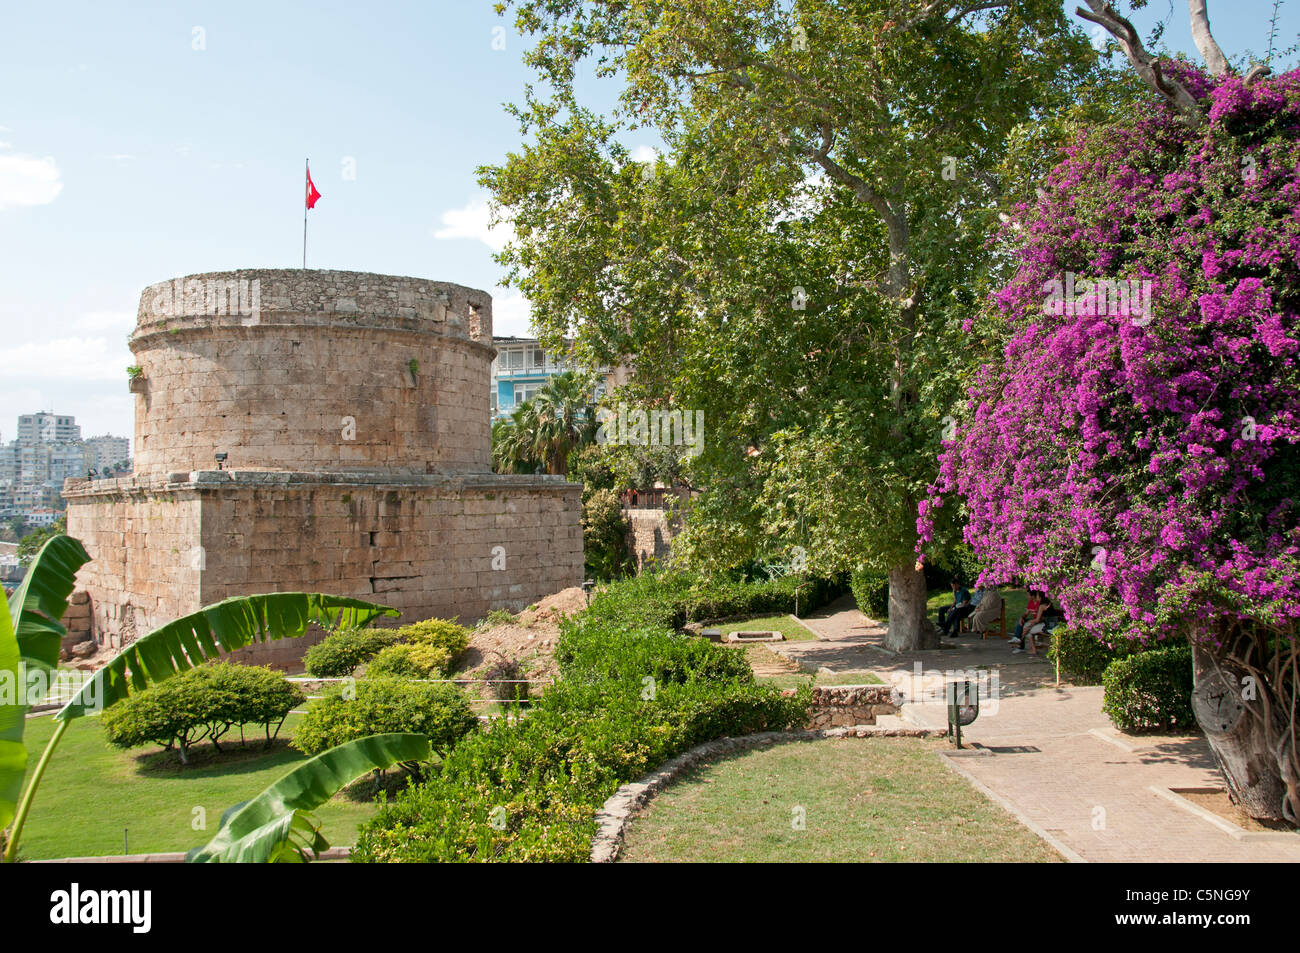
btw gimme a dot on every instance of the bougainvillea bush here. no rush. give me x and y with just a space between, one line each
1137 458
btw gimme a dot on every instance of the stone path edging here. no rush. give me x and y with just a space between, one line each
613 817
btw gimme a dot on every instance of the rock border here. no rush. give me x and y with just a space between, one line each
624 804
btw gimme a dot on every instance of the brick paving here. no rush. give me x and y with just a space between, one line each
1046 762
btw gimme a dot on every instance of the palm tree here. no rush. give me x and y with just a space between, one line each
512 441
542 433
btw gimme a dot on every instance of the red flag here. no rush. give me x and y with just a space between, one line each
312 194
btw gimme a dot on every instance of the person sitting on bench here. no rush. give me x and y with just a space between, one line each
950 616
1033 622
988 611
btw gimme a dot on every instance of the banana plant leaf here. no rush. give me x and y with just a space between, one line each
206 634
30 638
13 754
261 829
40 602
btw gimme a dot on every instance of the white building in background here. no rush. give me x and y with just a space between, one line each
47 428
48 451
109 450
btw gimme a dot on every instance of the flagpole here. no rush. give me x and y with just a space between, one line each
306 175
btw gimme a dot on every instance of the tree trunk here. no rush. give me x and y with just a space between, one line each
909 629
1240 743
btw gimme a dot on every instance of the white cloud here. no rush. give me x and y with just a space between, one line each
118 157
474 221
644 153
73 358
26 180
6 145
511 313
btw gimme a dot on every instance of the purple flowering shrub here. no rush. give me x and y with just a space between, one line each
1133 447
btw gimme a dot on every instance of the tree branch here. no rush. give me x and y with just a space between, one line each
1146 65
1204 39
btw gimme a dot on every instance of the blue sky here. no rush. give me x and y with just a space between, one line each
144 141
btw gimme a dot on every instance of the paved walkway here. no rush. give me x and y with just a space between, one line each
1049 754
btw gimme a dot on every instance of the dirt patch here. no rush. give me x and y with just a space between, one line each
555 607
529 640
1218 802
532 646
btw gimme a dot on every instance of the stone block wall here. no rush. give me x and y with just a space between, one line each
327 370
650 533
144 558
836 706
353 413
430 546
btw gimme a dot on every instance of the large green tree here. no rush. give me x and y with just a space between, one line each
799 262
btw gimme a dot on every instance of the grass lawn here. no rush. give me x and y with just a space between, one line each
91 791
792 630
868 799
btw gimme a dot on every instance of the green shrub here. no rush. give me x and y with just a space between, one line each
341 652
382 705
631 697
871 590
589 650
671 599
445 634
405 660
604 535
1150 690
529 790
1084 658
202 703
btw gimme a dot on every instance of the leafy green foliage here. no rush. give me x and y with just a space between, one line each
445 634
340 652
797 266
604 536
30 636
32 543
496 617
1151 690
871 590
539 435
274 827
1084 658
206 634
673 598
440 712
202 704
632 695
410 660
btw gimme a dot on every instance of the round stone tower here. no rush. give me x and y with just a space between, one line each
312 370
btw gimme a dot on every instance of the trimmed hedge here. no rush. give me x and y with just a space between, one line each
340 652
382 705
631 696
405 660
871 591
202 704
1084 658
672 599
1150 690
